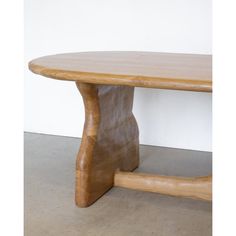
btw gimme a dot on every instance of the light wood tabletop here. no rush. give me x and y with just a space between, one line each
139 69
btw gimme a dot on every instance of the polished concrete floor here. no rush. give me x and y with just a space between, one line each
49 195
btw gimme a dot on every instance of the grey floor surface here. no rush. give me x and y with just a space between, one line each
49 195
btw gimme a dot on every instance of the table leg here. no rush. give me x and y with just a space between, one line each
110 140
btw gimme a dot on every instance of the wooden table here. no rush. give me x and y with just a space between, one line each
109 150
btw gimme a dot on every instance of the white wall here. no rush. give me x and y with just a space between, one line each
166 118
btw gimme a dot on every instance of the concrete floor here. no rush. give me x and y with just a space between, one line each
49 195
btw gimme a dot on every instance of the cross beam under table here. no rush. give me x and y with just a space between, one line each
192 187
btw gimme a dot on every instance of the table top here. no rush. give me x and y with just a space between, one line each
139 69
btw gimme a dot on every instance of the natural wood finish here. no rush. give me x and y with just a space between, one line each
110 140
197 187
106 81
141 69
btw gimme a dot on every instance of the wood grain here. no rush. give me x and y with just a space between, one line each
197 187
138 69
110 140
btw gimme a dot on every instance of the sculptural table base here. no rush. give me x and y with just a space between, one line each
110 140
110 148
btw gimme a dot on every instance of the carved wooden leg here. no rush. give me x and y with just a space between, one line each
110 140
